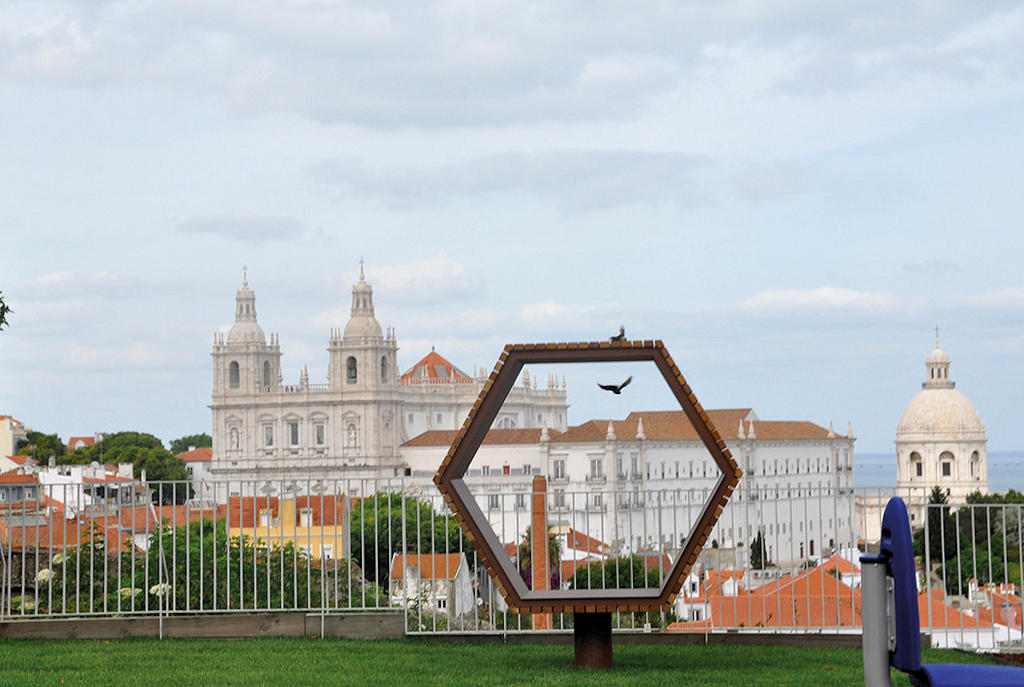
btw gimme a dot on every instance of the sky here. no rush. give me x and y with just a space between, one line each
791 195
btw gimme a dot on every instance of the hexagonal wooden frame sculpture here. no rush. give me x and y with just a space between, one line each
449 479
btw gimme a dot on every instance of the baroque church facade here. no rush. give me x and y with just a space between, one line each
267 433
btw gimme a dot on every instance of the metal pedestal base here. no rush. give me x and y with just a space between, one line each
593 635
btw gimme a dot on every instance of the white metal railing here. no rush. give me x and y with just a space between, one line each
778 563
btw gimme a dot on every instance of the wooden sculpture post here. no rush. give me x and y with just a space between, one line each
592 608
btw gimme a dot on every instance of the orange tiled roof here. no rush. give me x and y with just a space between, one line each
20 459
16 477
201 454
433 368
433 566
77 442
444 437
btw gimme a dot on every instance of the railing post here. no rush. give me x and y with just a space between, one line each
875 637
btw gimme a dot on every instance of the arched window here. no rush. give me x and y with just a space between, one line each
383 369
266 373
946 464
233 375
351 373
916 467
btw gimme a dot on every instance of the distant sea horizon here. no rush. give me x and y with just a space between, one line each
1005 470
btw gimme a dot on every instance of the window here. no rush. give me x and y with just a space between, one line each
485 469
439 418
306 517
266 373
559 468
919 470
268 436
351 371
383 369
559 498
319 433
266 517
618 468
598 501
520 501
293 433
947 469
328 551
233 375
410 419
595 468
694 614
442 603
494 501
527 469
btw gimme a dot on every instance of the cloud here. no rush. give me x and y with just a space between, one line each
572 179
63 284
820 300
245 227
451 62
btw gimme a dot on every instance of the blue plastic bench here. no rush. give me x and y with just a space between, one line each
892 627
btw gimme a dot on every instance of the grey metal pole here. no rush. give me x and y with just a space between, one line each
875 638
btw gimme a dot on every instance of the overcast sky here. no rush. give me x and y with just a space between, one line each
792 195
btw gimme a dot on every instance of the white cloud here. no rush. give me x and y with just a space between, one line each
244 227
823 298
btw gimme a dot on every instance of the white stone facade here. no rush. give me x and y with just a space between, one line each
639 483
273 436
940 439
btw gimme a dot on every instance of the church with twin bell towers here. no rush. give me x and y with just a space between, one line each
272 437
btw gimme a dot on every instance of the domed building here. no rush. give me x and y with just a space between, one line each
940 438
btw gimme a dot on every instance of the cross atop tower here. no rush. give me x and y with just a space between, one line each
245 275
361 276
936 336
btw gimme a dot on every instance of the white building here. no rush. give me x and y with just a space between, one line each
11 432
640 482
433 583
272 436
940 439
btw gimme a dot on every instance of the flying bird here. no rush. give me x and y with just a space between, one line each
616 389
621 336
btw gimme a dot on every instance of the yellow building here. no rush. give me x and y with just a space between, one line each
317 525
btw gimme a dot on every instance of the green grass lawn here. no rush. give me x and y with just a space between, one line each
288 662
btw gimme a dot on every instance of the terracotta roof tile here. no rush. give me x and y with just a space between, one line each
434 368
201 454
432 566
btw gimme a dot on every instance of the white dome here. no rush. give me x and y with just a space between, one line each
942 415
246 332
363 326
937 356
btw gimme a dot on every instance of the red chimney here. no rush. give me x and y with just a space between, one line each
539 547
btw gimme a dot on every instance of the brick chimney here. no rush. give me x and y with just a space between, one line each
539 547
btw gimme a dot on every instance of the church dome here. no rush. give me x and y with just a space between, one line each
939 412
363 324
246 329
942 414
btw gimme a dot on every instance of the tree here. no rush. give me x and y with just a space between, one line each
524 555
144 452
942 529
4 311
758 552
376 532
182 444
616 573
41 446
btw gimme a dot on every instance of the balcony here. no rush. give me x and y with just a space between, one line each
596 479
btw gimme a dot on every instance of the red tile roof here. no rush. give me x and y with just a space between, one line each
444 437
19 459
201 454
434 368
77 442
16 477
433 566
